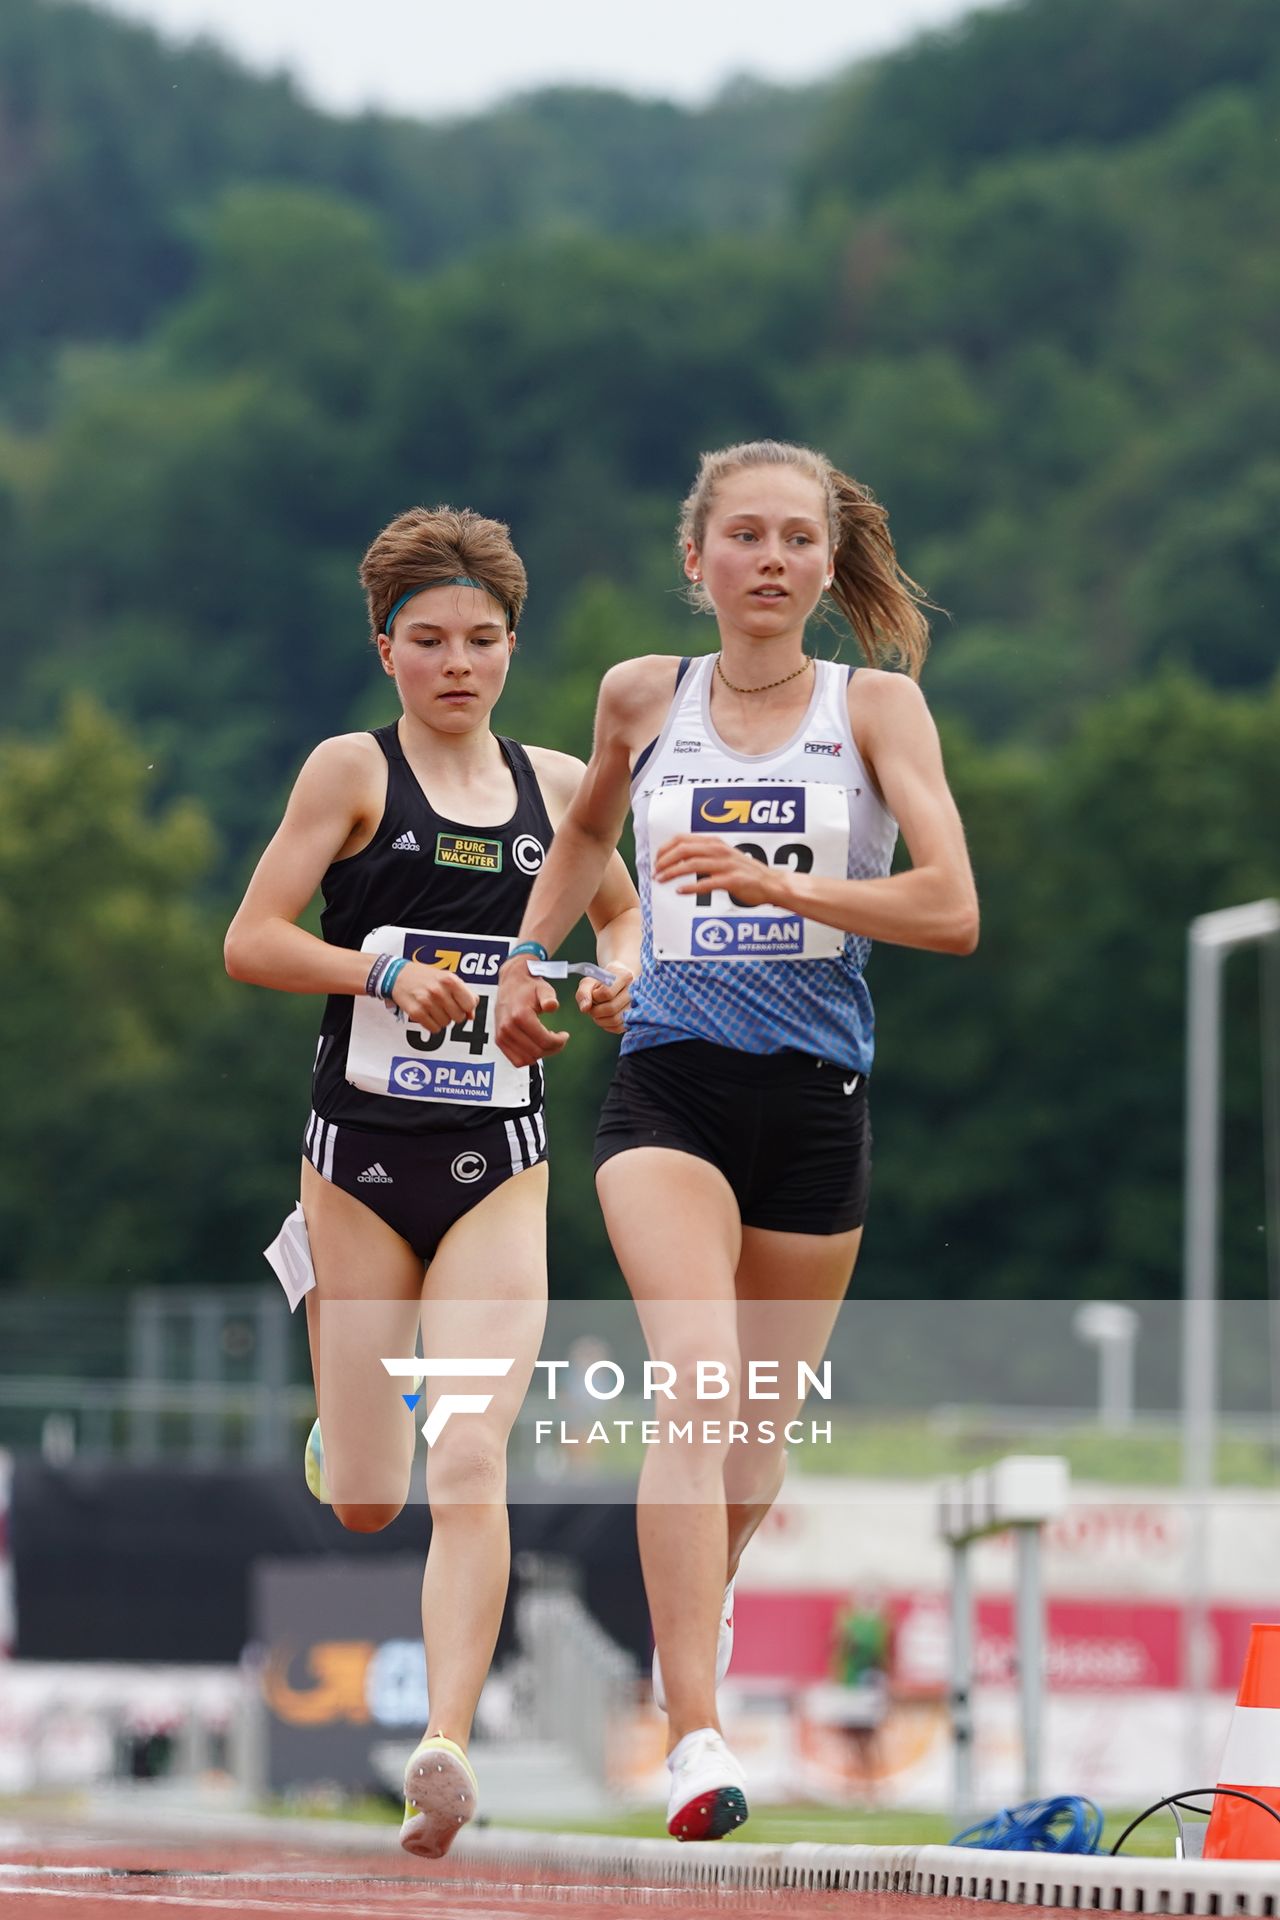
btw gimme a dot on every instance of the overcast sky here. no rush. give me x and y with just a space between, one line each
424 58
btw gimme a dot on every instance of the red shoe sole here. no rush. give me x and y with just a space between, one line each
709 1816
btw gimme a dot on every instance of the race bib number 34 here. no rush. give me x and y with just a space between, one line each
801 826
459 1065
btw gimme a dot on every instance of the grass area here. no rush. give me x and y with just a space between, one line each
774 1826
768 1826
917 1448
852 1826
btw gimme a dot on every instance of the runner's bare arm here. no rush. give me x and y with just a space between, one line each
576 868
614 911
933 905
329 809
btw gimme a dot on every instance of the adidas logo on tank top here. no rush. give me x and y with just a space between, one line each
406 843
758 980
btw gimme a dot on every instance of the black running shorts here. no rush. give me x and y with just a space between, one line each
790 1133
421 1183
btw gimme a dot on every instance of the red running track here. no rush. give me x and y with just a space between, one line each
103 1879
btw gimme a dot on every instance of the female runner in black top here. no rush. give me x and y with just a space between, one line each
424 1181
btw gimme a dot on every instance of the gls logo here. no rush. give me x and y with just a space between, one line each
761 807
474 962
448 1403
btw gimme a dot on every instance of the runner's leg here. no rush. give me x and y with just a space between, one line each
790 1287
364 1306
485 1295
673 1222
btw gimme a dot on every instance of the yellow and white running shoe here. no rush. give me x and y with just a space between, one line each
440 1795
313 1465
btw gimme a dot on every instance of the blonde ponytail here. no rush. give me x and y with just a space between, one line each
881 602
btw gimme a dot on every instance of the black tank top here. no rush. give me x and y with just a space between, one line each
421 870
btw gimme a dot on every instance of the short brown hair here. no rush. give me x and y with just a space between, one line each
427 546
881 602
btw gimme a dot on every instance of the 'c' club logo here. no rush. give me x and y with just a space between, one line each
468 1167
528 853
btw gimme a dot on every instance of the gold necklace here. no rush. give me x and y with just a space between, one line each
769 684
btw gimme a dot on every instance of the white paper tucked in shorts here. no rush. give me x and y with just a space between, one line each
289 1256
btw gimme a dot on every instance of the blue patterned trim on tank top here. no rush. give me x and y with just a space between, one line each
819 1007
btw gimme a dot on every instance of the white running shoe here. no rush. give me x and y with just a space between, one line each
724 1650
313 1465
440 1794
708 1788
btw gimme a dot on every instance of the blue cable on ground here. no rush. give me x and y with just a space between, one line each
1067 1824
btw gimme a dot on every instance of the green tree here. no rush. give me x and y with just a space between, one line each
104 958
151 1134
1030 1098
1206 593
1036 75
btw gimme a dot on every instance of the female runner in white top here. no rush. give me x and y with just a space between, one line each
753 952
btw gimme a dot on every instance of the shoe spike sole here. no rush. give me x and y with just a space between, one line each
709 1816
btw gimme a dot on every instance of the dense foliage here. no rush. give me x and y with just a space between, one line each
1019 277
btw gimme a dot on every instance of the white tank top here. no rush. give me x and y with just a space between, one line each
757 979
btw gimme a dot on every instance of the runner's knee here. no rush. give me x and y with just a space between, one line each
367 1519
467 1469
707 1378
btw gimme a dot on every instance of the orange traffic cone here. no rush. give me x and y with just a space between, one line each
1237 1830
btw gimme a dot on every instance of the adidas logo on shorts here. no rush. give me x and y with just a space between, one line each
375 1176
406 843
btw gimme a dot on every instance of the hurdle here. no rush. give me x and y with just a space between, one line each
1020 1492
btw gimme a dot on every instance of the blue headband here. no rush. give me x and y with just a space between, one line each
454 580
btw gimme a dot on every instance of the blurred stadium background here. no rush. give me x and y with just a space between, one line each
1021 278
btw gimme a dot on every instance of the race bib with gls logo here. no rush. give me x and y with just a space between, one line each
801 826
460 1065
